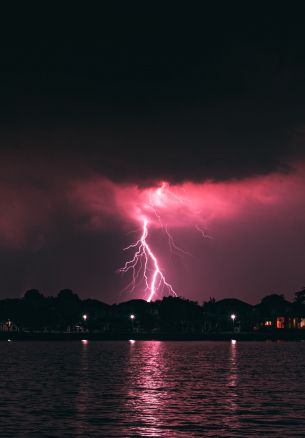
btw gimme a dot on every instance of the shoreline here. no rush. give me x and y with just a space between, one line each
227 336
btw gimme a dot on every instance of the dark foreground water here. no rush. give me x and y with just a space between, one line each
170 389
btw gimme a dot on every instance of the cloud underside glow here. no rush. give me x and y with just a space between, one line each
245 219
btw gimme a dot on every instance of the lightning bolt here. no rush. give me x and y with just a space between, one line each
203 232
144 264
144 260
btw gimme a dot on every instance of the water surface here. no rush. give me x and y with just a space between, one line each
149 388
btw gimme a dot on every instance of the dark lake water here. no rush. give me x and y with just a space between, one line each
168 389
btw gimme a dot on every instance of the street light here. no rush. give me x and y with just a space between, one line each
85 317
233 317
132 317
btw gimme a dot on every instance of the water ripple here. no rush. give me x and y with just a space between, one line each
152 389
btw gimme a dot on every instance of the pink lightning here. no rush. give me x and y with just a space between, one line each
145 260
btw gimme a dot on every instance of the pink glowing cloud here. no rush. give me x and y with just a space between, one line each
94 202
250 221
187 204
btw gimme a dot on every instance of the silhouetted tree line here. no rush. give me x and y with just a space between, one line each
67 312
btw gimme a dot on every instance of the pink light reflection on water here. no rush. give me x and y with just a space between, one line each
231 399
83 395
146 396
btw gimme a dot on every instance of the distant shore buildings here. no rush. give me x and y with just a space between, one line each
8 327
67 313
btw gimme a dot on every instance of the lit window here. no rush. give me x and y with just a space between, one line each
293 323
280 322
268 323
302 323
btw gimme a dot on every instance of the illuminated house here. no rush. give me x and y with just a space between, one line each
296 318
297 323
8 326
274 312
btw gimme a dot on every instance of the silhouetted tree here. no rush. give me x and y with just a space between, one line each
273 303
210 306
33 295
179 314
34 310
300 296
68 295
68 308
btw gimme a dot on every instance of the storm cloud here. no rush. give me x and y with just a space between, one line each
97 116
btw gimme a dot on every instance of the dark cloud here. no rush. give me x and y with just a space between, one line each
142 95
220 144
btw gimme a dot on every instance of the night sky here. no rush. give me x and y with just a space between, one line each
99 107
